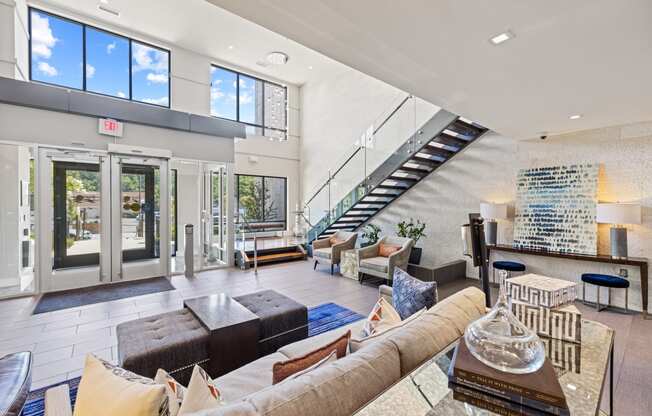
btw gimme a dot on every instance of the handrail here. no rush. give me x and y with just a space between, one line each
355 152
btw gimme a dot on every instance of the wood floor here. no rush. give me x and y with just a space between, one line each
61 339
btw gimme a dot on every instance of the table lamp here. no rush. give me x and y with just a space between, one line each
618 215
492 212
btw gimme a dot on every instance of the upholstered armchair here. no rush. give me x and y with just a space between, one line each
329 250
376 263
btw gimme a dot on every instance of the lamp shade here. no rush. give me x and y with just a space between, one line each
618 213
493 211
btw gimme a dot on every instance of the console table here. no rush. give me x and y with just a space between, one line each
639 262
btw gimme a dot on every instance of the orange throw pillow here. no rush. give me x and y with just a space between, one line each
334 241
284 369
385 250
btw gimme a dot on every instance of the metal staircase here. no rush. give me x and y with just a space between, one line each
441 138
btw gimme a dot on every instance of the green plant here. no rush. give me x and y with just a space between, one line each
411 229
371 233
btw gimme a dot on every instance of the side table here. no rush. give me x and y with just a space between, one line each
349 264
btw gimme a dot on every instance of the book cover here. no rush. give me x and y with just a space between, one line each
491 403
540 390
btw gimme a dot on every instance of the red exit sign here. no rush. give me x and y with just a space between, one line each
110 127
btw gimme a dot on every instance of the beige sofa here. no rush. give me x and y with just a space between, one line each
344 386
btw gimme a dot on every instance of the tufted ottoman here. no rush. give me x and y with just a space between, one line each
174 341
282 320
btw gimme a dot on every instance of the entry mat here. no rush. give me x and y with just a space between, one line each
321 318
87 296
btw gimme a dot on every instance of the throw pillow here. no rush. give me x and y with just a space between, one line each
356 343
334 240
173 389
386 250
102 383
201 394
410 294
332 357
284 369
382 316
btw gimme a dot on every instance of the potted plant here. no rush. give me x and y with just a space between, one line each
413 230
371 234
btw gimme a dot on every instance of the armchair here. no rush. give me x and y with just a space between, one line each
329 250
371 262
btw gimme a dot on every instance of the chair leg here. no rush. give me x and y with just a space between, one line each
597 304
315 266
627 300
360 276
331 268
584 292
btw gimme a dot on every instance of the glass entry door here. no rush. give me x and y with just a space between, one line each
214 219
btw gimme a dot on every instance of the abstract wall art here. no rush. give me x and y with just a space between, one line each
555 208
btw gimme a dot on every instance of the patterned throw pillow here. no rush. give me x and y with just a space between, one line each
386 250
382 316
201 394
173 389
409 294
284 369
102 382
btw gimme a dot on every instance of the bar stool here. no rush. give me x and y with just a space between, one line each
605 280
508 266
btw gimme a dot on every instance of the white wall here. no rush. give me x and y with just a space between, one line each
486 171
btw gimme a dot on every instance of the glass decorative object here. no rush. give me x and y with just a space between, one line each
501 341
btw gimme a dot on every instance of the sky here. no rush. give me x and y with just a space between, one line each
57 58
223 96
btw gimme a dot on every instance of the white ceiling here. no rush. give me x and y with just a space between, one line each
589 57
201 27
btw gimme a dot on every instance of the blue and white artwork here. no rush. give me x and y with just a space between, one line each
555 208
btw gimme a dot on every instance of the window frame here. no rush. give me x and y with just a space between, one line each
237 105
84 62
285 197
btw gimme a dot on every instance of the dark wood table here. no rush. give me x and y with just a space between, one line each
234 331
639 262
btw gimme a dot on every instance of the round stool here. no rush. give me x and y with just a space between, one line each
509 267
605 280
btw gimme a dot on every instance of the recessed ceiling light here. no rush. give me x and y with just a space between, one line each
277 58
230 46
109 10
310 67
502 37
575 116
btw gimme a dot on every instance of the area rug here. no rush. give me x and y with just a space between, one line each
86 296
321 318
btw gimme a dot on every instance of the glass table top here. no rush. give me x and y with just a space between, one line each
581 368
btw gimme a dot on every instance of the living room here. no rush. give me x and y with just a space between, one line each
281 208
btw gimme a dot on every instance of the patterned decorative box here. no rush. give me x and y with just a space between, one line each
349 264
561 323
564 356
541 290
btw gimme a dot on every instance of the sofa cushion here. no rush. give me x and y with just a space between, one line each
248 379
284 369
299 348
356 344
437 328
337 389
324 253
379 264
410 295
174 390
15 381
201 393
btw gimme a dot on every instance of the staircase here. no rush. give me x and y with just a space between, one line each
436 142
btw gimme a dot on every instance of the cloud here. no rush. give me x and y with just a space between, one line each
157 78
121 94
148 58
157 101
243 84
216 93
90 71
110 47
47 69
245 98
43 39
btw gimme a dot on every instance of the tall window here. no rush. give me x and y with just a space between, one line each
79 56
262 201
261 105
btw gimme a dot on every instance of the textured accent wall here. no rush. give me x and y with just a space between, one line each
555 208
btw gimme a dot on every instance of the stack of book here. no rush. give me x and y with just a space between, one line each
534 394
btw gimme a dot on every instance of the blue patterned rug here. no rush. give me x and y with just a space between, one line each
321 318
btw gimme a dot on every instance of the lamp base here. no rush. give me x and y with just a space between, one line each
491 232
618 242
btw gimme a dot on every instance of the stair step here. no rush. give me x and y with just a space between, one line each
381 203
436 151
337 226
425 161
403 179
465 128
449 140
395 187
364 209
417 171
381 195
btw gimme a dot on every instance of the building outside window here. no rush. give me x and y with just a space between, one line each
261 202
74 55
261 105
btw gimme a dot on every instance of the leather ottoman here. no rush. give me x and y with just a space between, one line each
174 341
15 382
282 320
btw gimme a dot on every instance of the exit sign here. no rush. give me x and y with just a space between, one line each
110 127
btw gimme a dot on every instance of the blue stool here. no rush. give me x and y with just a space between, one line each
509 267
605 280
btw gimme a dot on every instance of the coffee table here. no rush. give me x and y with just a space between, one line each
233 331
425 392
